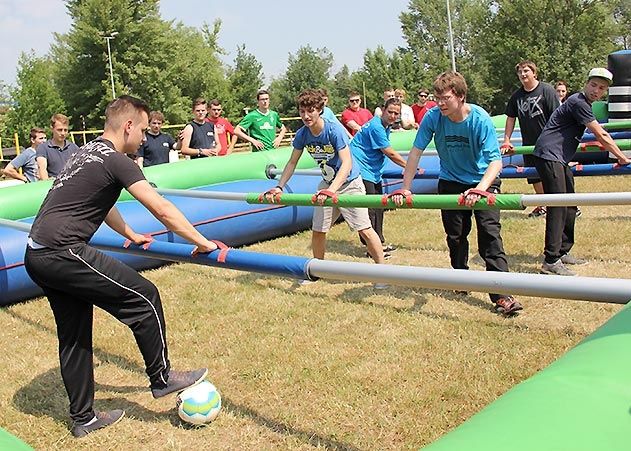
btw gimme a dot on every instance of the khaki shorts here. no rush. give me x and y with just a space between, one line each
356 218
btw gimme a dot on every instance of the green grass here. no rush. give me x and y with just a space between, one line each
324 366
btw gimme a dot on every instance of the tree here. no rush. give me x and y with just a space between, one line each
565 39
35 97
308 68
165 64
622 17
244 80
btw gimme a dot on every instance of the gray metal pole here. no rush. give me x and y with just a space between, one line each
109 57
218 195
573 199
451 39
580 288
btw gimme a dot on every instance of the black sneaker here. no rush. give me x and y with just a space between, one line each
508 306
179 380
389 248
103 420
578 212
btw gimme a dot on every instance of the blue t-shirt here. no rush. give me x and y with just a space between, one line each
563 132
26 160
367 145
325 148
465 148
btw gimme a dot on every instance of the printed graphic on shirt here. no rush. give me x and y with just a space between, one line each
92 153
530 106
322 154
457 142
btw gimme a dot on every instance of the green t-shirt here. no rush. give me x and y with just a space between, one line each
262 127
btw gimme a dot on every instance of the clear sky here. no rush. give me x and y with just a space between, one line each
270 31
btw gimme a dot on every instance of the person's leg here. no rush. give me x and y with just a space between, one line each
318 244
553 178
375 249
374 214
537 186
457 225
567 239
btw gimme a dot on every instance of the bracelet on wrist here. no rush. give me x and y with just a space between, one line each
279 187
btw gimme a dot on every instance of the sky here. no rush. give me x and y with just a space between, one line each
270 32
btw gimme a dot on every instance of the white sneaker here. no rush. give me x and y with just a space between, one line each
306 282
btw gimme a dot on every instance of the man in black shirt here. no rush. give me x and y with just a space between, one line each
155 150
553 151
75 276
198 137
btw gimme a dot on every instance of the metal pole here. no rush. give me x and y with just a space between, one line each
217 195
451 38
109 57
580 288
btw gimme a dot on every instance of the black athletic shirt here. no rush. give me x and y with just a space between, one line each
156 149
83 194
533 109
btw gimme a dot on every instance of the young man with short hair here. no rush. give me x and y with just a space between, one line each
327 144
155 150
76 277
259 127
53 154
26 160
470 164
553 152
224 131
533 104
198 137
354 116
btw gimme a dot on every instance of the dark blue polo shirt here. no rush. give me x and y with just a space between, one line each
56 156
156 148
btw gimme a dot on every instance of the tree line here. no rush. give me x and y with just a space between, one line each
169 64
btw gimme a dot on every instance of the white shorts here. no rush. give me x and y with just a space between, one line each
356 218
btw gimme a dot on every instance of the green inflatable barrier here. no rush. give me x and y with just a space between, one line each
581 402
9 442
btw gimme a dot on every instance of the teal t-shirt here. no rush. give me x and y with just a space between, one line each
262 127
367 148
465 148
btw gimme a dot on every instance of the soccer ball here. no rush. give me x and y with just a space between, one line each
199 404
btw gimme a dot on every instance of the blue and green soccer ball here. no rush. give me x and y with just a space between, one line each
200 404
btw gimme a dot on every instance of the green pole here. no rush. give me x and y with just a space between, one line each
419 201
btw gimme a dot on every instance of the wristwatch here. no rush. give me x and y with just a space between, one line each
199 152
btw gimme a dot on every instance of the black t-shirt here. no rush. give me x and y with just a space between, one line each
533 109
203 137
156 149
563 132
83 194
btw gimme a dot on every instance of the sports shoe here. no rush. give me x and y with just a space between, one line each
380 286
306 282
569 259
179 380
557 268
461 292
507 305
386 255
538 211
389 248
578 212
103 420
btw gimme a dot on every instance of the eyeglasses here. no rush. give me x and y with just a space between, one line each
444 99
354 100
422 95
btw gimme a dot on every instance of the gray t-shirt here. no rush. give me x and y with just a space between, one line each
563 132
56 156
26 161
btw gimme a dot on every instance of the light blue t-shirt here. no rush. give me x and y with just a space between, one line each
367 145
465 148
26 160
324 149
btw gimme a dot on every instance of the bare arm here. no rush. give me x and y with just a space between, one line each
232 140
344 170
290 167
116 222
607 141
509 127
394 156
280 136
187 133
139 161
353 125
42 166
13 173
240 132
169 215
411 167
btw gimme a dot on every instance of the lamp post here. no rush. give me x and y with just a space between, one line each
108 38
451 38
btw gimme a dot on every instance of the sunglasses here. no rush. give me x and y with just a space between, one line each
422 95
354 100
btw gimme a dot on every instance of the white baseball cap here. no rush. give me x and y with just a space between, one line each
601 72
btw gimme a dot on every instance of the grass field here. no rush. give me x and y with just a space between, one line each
324 366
